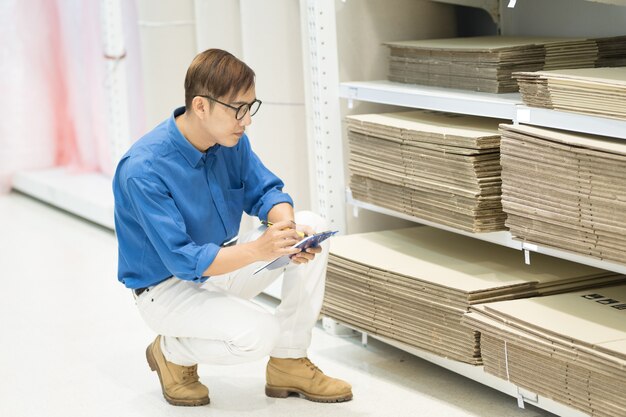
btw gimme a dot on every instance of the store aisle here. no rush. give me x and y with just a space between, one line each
73 344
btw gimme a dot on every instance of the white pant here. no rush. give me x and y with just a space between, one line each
216 323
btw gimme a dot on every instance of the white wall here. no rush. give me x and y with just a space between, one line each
168 44
218 25
266 35
272 47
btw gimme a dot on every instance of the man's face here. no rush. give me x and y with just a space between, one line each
222 125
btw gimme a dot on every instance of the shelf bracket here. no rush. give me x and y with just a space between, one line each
525 396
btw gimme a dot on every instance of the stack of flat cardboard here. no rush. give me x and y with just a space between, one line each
594 91
440 167
486 63
568 347
611 51
565 190
413 285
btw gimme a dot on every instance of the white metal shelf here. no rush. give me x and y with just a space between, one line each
575 257
575 122
478 374
501 106
88 195
502 238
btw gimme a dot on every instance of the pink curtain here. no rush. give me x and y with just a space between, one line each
53 81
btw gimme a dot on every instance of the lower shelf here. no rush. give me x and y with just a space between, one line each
503 238
475 373
575 257
88 195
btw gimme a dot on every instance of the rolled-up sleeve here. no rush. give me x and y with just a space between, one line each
263 189
164 226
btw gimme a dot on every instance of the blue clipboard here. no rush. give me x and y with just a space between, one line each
307 242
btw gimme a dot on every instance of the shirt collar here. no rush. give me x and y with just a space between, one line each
191 154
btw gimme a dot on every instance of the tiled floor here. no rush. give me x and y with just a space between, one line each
72 343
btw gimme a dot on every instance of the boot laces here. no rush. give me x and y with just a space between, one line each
311 365
189 372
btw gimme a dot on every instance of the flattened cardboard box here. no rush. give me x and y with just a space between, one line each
487 63
455 262
595 91
401 284
584 213
578 322
399 160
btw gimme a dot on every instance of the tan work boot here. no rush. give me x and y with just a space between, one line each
179 384
287 376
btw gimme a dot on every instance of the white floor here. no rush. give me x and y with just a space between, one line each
72 343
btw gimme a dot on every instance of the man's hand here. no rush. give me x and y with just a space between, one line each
309 253
277 241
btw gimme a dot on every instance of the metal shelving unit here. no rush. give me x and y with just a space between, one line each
504 106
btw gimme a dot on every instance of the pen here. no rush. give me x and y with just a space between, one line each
268 224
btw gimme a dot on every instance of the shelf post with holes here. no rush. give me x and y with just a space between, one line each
321 77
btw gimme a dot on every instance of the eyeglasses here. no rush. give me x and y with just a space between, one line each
240 112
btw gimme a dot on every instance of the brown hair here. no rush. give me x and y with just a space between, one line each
216 73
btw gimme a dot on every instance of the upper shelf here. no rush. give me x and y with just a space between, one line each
492 7
501 106
571 121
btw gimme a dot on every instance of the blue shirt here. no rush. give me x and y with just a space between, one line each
175 205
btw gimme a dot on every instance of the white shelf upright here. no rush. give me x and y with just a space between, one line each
116 83
321 80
